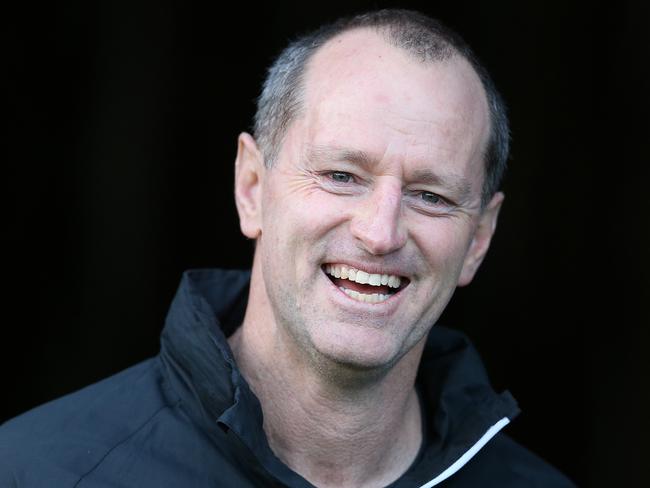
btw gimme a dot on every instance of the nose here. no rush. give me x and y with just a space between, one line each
377 221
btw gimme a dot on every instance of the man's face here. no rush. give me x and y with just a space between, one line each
381 174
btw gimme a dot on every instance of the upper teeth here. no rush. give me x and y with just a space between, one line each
352 274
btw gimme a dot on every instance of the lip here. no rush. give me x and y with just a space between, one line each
384 308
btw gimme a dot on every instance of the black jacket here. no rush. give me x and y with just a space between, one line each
187 418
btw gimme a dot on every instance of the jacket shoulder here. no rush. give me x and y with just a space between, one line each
55 444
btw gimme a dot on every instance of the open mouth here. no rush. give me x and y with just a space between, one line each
363 286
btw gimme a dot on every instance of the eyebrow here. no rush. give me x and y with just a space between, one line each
459 185
333 153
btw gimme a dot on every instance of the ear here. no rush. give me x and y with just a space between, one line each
249 172
483 233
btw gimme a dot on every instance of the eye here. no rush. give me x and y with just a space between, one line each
340 177
430 198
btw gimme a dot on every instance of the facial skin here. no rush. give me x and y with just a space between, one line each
382 171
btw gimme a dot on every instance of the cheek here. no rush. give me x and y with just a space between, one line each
299 217
443 243
297 202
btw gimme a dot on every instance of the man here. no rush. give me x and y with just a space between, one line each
370 190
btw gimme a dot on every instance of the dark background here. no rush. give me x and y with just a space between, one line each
122 126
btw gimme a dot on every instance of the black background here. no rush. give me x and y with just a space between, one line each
122 126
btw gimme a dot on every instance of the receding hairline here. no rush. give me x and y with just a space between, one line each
447 51
420 37
386 33
453 56
436 49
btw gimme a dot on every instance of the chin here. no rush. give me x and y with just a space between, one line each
366 350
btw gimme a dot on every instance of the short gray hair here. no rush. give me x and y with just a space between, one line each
424 38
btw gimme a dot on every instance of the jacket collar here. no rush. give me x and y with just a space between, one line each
461 408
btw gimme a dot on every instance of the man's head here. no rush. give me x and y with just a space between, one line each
424 38
373 209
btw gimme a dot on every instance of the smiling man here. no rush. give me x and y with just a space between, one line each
371 195
370 189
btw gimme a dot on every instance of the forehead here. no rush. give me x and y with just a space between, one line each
364 94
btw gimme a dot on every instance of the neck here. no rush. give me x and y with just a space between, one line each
333 426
